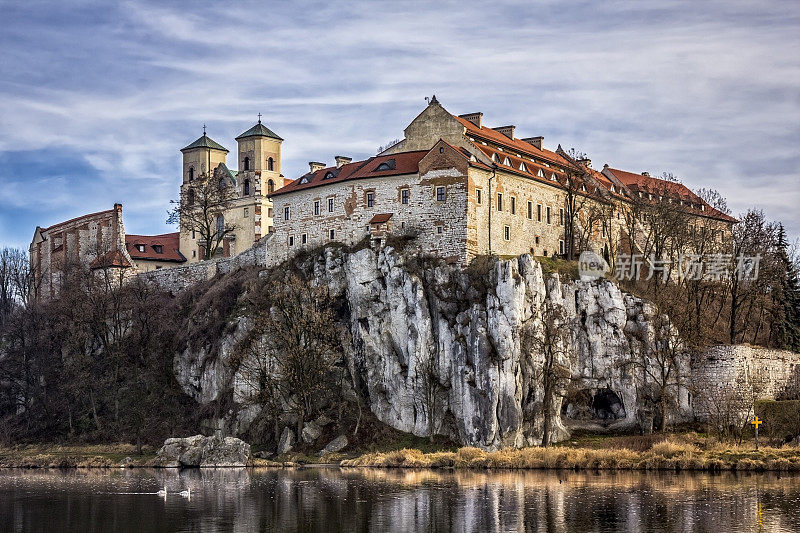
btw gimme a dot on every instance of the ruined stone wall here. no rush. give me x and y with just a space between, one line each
771 373
80 240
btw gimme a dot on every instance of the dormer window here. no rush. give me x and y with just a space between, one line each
495 158
583 188
157 248
540 173
553 177
702 207
389 164
522 167
140 248
307 178
613 189
329 175
507 162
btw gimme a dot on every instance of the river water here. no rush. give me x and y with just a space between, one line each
333 499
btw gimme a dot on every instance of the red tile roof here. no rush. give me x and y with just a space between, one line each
518 145
380 218
650 185
169 242
113 258
393 165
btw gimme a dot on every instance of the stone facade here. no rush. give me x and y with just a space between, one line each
250 215
96 241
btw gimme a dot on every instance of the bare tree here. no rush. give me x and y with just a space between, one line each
430 390
202 209
575 197
663 367
296 344
550 340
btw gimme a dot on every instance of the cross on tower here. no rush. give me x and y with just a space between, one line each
259 118
204 129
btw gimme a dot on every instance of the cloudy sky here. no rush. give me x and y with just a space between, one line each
96 98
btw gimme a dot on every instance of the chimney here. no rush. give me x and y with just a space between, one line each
535 141
315 165
508 131
475 118
118 208
342 160
646 174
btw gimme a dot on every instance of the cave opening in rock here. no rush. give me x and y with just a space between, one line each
586 404
606 405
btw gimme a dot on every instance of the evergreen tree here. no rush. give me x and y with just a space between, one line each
787 299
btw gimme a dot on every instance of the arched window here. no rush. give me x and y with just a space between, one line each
270 186
191 173
246 187
190 197
270 164
247 163
220 224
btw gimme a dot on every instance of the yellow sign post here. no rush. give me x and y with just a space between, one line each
756 422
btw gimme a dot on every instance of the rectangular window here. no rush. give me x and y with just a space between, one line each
439 229
291 240
513 205
538 212
561 247
194 253
330 205
507 233
441 194
561 216
537 240
286 213
548 214
370 199
530 210
478 194
269 212
332 233
316 207
304 238
499 201
404 196
193 236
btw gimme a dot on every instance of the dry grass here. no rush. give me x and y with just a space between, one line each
670 454
71 456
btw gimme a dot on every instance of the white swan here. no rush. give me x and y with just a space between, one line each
186 493
163 492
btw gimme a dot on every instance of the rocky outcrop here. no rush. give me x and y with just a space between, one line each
480 343
201 451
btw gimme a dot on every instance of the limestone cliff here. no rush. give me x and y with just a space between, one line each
464 351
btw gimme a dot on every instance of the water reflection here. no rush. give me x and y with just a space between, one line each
330 499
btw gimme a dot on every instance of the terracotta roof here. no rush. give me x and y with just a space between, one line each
113 258
517 145
650 185
384 165
169 242
380 218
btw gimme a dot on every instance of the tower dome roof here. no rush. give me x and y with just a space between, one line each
259 130
205 142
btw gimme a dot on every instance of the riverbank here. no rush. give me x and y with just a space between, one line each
687 451
666 455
